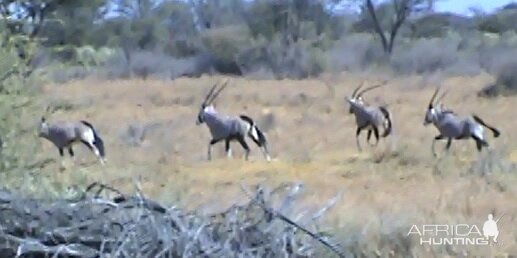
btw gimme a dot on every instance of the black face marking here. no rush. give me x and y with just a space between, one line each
200 119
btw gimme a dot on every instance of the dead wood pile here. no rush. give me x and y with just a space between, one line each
103 222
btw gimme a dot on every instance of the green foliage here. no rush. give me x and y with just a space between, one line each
499 22
506 82
439 24
226 42
17 87
283 38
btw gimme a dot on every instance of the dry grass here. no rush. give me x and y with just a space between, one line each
384 190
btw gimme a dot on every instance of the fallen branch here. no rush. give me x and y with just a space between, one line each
280 216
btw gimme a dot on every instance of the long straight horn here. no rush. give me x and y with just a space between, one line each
370 88
357 89
214 96
209 94
431 102
442 96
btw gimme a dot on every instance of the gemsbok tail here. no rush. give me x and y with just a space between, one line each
254 132
387 116
257 135
493 129
98 142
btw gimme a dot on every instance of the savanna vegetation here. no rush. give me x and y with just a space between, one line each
139 69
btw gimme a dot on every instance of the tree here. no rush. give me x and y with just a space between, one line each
27 17
401 10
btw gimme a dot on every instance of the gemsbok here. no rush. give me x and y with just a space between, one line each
450 126
229 128
63 134
369 117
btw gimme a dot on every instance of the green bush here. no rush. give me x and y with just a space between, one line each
506 82
227 42
17 120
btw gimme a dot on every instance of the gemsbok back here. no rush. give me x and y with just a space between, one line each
63 134
229 128
450 126
369 117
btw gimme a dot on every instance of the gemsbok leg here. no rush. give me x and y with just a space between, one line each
244 145
212 142
436 138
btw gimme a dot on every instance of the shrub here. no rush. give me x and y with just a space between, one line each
63 74
354 53
226 42
154 64
285 60
425 56
19 146
506 82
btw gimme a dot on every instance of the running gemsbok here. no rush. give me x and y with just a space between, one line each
64 134
228 128
369 116
451 126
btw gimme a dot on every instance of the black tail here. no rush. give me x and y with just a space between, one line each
98 142
387 116
255 134
493 129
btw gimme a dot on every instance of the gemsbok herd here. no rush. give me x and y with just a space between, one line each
222 127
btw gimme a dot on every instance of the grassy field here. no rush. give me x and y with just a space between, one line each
383 190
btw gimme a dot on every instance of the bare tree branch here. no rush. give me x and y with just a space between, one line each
402 8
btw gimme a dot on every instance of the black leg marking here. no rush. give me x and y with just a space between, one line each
227 145
376 134
436 138
61 152
212 142
245 146
448 145
480 143
87 145
357 133
368 136
70 151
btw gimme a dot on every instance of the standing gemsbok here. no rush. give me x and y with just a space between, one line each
368 116
64 134
228 128
451 126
